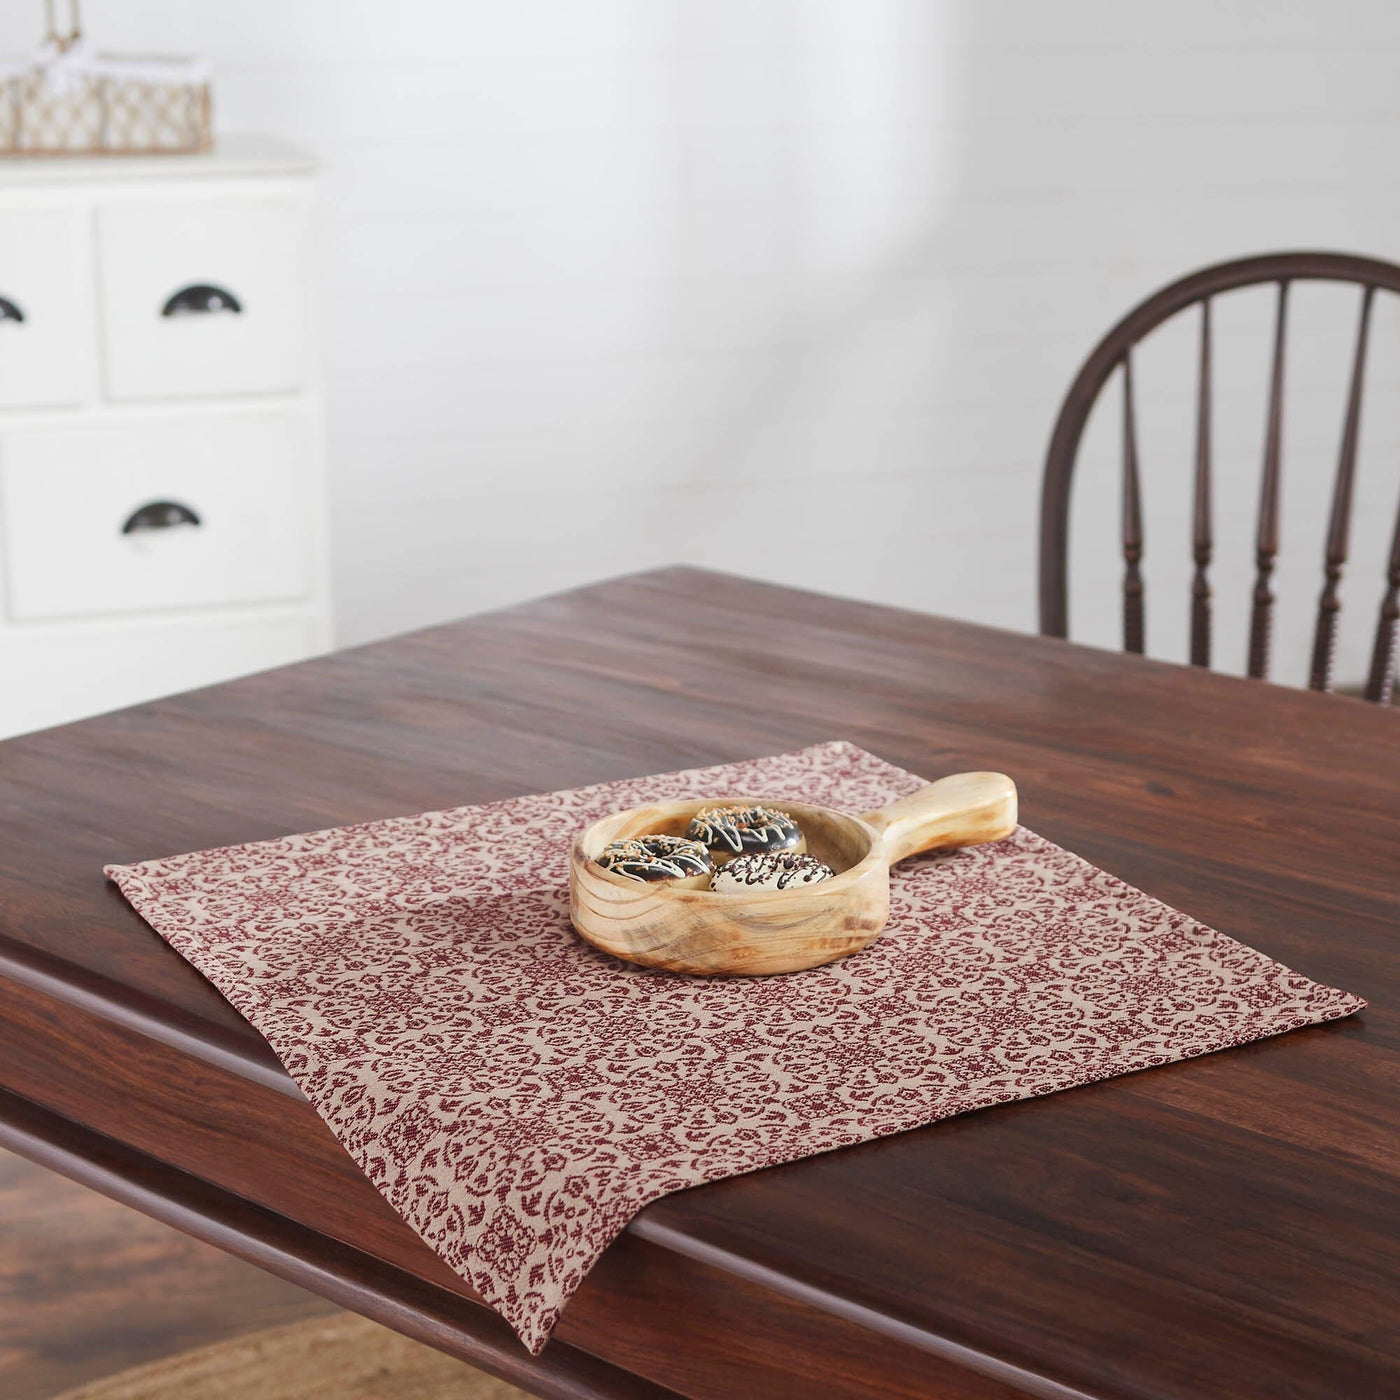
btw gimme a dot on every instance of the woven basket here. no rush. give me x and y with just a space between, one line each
67 99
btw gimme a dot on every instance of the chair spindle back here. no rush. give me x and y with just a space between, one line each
1115 354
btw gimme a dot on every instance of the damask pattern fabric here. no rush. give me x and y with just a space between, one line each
518 1096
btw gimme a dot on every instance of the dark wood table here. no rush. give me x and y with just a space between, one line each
1228 1227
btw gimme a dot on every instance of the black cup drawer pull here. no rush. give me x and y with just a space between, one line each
9 311
201 299
159 515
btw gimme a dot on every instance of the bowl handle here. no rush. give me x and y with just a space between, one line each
962 810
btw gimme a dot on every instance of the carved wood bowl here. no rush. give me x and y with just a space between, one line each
757 932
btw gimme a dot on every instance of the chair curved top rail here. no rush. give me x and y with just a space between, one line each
1112 352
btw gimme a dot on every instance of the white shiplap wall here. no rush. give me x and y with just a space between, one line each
793 287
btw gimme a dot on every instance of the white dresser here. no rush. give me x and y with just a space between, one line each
162 481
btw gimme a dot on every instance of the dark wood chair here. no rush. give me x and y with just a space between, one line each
1114 353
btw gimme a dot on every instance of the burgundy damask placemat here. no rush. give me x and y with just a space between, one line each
518 1096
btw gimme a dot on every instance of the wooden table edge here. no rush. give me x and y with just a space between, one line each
871 1319
298 1253
117 1004
337 1271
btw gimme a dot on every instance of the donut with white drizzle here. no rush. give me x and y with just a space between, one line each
739 829
653 858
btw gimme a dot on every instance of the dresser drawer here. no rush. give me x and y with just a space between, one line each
203 298
184 513
45 308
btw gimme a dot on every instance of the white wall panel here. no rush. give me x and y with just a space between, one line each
595 272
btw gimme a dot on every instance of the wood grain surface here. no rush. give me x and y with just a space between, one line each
757 932
89 1287
1227 1227
736 933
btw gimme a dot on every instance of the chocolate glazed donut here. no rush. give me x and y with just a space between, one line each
739 830
674 859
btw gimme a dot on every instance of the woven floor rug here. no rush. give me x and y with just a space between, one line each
339 1358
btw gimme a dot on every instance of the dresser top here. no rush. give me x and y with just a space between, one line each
235 154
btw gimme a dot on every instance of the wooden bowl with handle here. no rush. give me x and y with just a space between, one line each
754 932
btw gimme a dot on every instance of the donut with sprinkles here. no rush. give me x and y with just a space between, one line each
653 858
739 829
